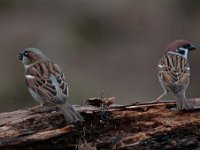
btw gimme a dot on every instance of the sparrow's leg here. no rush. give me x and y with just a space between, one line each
38 106
161 96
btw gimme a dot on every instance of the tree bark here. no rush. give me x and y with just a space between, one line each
106 126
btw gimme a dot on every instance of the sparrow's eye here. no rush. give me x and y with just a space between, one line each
26 53
187 46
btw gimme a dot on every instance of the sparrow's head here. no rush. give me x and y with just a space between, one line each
30 56
180 47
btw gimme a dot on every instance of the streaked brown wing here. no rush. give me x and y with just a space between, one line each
43 84
60 78
174 72
166 77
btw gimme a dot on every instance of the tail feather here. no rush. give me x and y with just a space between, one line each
70 114
181 102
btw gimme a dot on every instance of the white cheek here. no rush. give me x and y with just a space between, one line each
30 76
186 54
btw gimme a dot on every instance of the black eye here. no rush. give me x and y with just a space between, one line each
25 53
187 46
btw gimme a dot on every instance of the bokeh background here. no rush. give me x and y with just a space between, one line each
108 48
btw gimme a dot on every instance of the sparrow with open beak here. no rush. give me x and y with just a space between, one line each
174 71
46 82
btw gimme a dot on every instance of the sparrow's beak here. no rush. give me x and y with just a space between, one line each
20 56
192 47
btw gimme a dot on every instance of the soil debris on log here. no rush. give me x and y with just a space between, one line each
107 126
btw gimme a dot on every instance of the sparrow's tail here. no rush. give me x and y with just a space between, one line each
70 114
181 102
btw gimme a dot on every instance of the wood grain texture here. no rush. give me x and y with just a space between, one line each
106 127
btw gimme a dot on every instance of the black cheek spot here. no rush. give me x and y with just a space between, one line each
182 52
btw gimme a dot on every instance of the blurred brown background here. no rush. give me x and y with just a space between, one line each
109 47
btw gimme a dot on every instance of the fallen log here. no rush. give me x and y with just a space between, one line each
107 126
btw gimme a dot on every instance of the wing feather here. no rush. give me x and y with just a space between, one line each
174 72
49 82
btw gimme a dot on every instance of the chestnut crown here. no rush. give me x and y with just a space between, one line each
180 47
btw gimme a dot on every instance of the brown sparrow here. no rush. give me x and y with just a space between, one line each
174 71
46 82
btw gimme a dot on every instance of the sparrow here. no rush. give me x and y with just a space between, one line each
46 82
174 72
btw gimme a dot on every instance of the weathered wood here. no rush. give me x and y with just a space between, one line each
106 127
